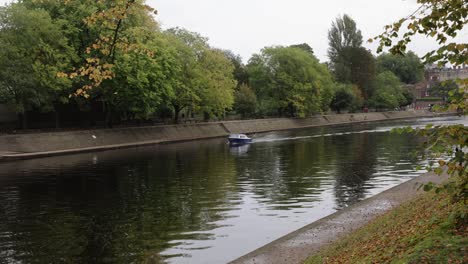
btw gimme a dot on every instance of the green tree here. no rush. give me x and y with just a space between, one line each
101 33
96 32
240 72
444 89
217 83
409 98
356 65
345 98
141 82
289 81
186 88
33 51
342 34
205 76
305 47
245 101
388 93
407 67
349 62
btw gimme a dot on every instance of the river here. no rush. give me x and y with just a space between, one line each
195 202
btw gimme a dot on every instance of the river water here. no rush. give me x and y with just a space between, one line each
195 202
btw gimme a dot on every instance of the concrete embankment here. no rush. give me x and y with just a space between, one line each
24 146
296 247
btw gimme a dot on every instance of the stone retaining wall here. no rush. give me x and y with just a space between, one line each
42 142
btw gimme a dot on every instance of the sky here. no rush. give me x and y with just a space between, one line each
246 26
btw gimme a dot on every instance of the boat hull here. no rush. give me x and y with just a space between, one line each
239 141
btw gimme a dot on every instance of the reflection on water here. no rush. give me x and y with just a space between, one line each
196 202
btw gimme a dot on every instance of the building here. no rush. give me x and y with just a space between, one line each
433 75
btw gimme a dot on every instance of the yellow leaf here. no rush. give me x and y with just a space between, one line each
61 75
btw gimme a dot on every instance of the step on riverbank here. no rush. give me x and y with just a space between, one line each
297 246
27 146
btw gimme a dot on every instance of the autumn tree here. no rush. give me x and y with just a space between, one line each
98 32
141 82
441 20
97 28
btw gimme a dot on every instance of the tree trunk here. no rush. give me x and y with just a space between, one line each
24 120
57 117
108 116
206 116
177 110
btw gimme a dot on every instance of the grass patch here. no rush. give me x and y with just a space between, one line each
421 231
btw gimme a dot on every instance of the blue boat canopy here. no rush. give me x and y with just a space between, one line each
239 139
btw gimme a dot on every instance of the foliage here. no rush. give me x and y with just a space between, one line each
240 72
356 65
420 231
186 83
349 62
245 101
388 92
141 82
438 19
407 67
33 51
108 21
217 83
343 34
448 141
204 80
305 47
442 89
343 99
289 81
408 98
442 20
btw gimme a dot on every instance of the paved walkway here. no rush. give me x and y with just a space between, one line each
30 155
296 247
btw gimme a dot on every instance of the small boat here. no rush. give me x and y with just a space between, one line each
237 139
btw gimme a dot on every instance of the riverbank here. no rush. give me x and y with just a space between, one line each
296 247
419 231
27 146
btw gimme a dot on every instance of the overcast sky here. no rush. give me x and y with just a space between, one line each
246 26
